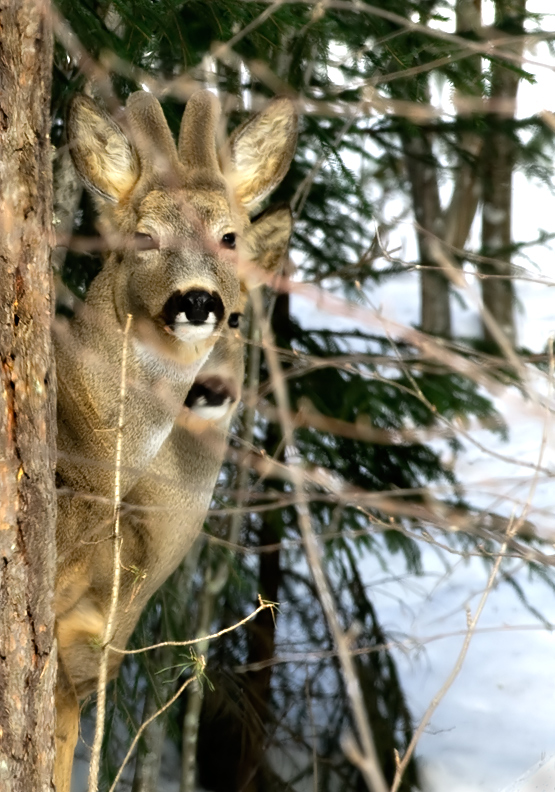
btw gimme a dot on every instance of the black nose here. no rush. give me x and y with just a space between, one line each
198 305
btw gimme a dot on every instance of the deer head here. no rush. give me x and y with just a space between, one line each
175 219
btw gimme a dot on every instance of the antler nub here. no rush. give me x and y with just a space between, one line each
151 134
197 137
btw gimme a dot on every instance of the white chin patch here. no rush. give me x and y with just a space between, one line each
210 412
187 331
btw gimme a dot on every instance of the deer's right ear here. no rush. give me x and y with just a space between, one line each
103 156
260 151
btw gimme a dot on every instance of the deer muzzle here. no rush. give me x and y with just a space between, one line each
211 397
193 315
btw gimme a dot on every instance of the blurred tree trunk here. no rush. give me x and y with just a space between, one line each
500 149
149 755
151 745
262 639
27 415
67 194
234 720
466 189
435 311
451 225
238 733
262 631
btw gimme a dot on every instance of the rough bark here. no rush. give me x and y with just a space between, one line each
27 391
499 159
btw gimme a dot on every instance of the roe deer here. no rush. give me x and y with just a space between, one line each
173 217
168 505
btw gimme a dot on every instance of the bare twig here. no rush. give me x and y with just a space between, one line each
491 48
103 666
263 605
144 725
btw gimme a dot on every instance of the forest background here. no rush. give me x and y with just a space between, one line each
410 145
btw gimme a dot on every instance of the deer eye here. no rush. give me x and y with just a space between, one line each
228 241
146 242
233 320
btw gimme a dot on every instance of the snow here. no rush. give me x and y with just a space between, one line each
497 719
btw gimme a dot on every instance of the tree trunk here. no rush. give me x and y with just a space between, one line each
149 753
262 631
262 639
151 746
451 226
236 730
435 311
27 391
499 159
461 212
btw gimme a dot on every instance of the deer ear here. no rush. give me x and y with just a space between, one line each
261 150
267 238
103 156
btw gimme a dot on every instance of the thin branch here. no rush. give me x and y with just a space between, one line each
489 48
103 667
144 725
263 605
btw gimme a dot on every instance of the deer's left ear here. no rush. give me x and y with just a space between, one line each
267 238
260 152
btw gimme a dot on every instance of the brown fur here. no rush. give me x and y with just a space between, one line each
171 457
